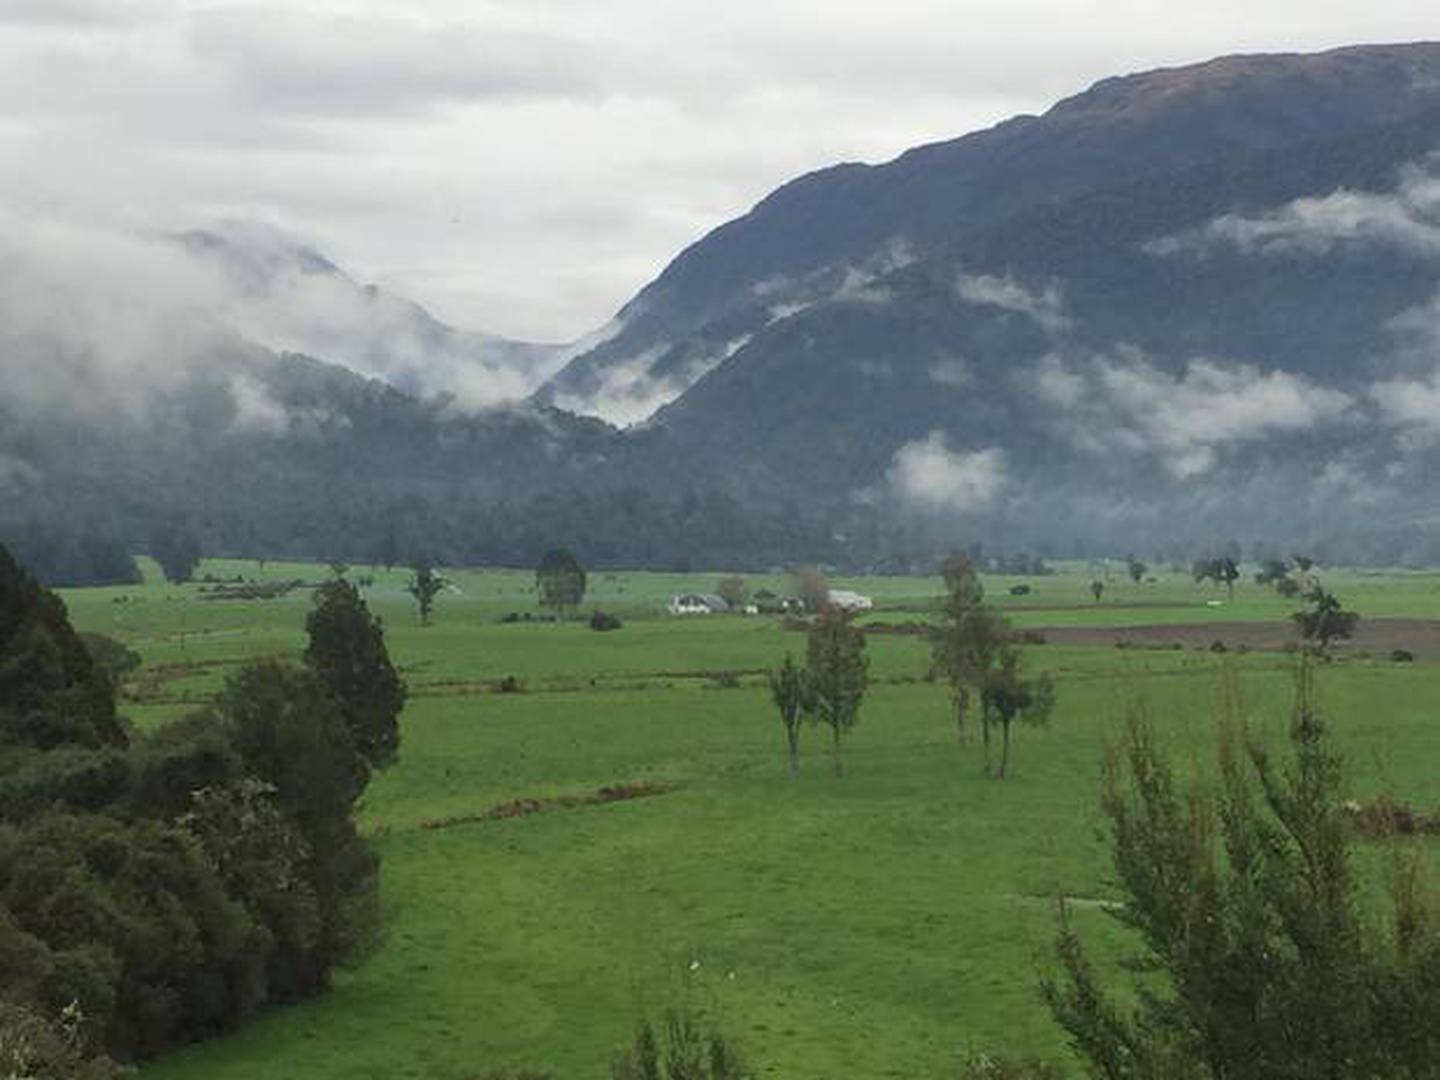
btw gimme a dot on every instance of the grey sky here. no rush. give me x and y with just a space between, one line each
523 166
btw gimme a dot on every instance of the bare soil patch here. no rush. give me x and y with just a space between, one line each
1421 637
641 789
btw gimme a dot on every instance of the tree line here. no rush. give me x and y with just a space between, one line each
157 888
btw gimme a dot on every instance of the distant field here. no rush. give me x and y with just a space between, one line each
881 924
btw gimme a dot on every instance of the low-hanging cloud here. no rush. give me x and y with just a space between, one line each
930 474
1412 405
1045 306
97 318
1407 219
1124 402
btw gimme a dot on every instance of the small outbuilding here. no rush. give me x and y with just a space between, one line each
697 604
846 600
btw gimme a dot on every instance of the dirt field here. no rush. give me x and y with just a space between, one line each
1420 637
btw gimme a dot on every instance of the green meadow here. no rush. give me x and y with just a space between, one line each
884 923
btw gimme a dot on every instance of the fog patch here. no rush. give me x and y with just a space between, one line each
255 410
1057 384
16 475
1407 218
1046 307
287 297
952 372
1190 417
930 474
627 393
1412 405
1123 402
96 319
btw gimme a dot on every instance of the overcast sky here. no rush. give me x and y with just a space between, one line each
523 166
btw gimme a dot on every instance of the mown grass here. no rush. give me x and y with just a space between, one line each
881 924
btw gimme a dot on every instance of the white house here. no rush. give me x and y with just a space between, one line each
696 604
846 600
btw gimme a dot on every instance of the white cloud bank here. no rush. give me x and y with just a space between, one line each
96 316
1188 418
1413 405
1407 218
1046 307
932 475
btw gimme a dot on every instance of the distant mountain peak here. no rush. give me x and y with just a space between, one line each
288 296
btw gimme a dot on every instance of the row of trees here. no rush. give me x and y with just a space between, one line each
159 888
977 651
828 689
972 646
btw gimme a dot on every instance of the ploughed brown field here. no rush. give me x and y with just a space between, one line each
1421 637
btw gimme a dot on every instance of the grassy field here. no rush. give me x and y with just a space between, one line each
885 923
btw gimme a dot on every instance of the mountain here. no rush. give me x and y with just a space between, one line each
1182 310
1202 300
285 295
827 235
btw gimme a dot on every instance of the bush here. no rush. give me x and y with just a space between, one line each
110 656
1402 656
1264 951
603 621
681 1051
33 1047
508 685
985 1067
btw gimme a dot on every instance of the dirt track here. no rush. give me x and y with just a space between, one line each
1380 636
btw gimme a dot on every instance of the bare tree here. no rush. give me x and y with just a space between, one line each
811 587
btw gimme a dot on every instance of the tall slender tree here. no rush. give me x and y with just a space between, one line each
838 674
425 584
964 642
347 652
791 692
560 581
1010 697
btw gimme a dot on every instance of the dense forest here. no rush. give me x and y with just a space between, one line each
157 888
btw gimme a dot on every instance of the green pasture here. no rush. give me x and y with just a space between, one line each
884 923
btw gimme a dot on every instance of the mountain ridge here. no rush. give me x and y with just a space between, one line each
922 194
1219 326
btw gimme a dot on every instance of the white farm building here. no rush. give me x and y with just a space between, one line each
846 600
696 604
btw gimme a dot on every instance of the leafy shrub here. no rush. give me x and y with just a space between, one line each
1402 656
115 659
603 621
33 1047
681 1051
985 1067
1383 817
510 684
